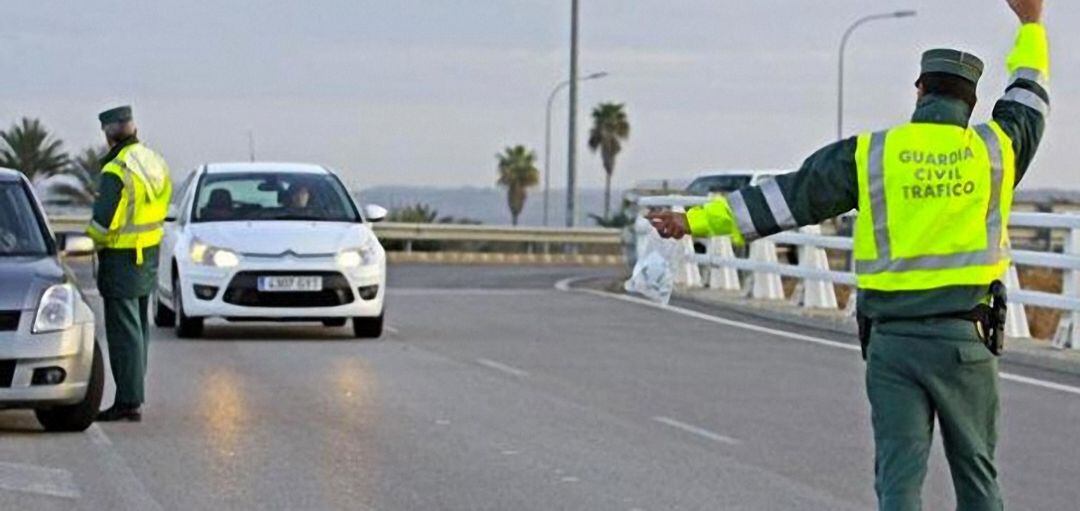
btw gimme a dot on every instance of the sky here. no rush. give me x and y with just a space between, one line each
427 92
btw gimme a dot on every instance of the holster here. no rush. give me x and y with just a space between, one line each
865 325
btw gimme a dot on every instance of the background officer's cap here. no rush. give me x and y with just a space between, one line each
118 114
953 62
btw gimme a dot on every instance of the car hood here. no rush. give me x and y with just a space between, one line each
280 237
25 278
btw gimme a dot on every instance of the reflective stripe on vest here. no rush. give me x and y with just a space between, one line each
934 252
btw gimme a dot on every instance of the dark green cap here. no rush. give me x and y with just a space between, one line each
953 62
118 114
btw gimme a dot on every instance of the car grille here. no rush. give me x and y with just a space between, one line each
9 320
244 290
7 372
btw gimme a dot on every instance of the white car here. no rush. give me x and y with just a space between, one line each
269 242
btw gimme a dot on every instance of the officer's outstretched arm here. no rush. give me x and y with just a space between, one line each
1022 111
825 186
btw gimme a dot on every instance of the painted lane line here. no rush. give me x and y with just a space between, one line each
1040 383
393 331
416 291
98 436
565 286
53 482
701 432
499 366
726 322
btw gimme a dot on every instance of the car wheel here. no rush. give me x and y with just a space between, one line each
368 328
164 317
81 415
334 322
186 328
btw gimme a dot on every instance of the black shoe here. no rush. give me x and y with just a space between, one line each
121 413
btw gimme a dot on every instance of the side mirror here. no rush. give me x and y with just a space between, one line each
170 214
77 245
374 213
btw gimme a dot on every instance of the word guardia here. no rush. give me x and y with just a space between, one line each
938 175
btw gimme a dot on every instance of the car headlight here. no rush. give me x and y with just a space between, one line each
56 310
352 258
201 253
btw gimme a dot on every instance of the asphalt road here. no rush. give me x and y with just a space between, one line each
495 391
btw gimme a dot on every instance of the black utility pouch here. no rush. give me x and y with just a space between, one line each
865 325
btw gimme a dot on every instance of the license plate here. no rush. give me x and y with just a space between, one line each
290 283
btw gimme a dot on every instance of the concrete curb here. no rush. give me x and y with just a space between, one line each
1018 351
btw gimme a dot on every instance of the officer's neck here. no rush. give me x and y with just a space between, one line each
937 109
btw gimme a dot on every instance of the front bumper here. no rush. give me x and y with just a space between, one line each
235 296
21 353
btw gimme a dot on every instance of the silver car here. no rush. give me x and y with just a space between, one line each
49 359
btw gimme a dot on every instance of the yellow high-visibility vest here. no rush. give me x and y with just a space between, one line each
934 203
140 214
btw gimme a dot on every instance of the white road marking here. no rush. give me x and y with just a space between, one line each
701 432
564 285
98 436
499 366
393 331
416 291
53 482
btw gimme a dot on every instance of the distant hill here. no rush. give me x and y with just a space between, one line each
488 205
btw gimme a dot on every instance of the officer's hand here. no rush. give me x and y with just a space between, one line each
1029 11
669 224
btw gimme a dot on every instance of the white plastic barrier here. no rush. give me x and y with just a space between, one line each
818 286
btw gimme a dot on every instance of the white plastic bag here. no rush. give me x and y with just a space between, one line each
658 259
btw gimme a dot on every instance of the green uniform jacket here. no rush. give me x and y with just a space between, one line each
827 185
118 276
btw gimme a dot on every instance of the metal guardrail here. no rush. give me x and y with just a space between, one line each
818 279
585 245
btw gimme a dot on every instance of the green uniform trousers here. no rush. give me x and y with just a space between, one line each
128 333
918 371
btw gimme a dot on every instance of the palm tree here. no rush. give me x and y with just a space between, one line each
610 129
517 172
31 149
80 183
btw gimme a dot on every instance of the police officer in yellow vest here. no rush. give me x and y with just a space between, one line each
931 238
134 191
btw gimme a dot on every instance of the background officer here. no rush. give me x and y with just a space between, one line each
933 199
129 212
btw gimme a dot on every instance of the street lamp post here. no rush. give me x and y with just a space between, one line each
547 138
843 47
571 145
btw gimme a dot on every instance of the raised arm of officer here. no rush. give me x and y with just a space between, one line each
1021 112
827 184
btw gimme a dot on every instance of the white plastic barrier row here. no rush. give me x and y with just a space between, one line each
817 279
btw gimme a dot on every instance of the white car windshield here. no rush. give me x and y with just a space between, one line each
20 233
272 196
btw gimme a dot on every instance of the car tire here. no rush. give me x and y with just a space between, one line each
186 328
368 328
334 322
164 317
81 415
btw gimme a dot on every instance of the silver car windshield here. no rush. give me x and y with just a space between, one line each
717 184
20 234
272 196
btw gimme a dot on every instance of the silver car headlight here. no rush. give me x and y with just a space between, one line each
204 254
56 310
366 255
